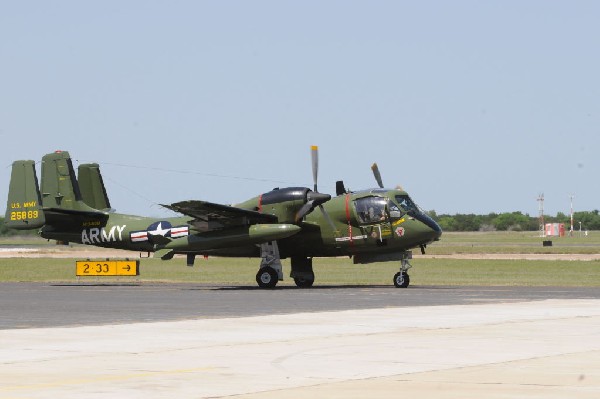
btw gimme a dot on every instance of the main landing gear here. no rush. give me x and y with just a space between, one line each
401 279
271 272
267 277
302 272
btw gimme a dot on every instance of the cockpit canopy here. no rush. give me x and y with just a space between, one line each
371 209
374 209
405 205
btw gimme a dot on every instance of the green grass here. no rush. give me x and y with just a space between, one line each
514 243
328 271
26 241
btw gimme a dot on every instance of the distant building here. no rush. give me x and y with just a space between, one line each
554 230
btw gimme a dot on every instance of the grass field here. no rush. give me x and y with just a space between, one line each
328 271
514 243
426 271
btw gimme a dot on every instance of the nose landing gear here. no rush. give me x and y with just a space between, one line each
402 279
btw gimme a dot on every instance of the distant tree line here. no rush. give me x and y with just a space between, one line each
514 221
5 231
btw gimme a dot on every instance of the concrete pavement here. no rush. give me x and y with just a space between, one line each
547 349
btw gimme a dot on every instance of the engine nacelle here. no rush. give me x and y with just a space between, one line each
289 204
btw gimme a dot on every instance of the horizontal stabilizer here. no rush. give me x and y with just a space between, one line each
74 212
71 218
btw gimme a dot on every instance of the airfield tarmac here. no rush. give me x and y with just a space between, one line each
200 341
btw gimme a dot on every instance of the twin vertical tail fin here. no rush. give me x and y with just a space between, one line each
24 205
61 198
63 203
92 187
60 201
60 189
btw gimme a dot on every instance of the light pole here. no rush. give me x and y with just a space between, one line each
541 215
571 231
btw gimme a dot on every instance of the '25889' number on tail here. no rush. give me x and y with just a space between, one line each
24 215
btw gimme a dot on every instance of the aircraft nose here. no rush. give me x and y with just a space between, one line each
438 231
435 229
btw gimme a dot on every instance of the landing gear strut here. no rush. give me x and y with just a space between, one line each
270 271
401 279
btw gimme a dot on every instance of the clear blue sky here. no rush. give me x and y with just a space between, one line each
471 106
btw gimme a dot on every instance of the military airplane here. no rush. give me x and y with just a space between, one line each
300 223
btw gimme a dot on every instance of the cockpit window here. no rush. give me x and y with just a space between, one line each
395 212
371 209
406 204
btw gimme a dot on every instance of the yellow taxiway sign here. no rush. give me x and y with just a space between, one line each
107 268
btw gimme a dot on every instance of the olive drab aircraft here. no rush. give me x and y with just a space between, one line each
300 223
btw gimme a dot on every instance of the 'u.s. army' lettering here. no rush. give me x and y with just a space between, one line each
99 235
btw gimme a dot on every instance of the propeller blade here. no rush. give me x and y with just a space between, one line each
314 153
306 208
315 198
377 175
326 215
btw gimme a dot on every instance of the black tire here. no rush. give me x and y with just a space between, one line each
401 280
304 282
267 277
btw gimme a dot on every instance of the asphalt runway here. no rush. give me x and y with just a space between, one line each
193 340
36 305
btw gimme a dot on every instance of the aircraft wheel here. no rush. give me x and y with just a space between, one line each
267 277
304 282
401 280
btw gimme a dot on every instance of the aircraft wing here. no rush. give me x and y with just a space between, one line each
210 216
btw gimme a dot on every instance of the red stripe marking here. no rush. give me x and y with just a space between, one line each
348 218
